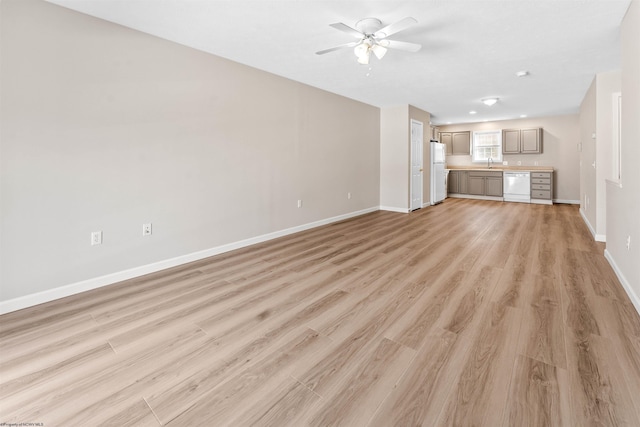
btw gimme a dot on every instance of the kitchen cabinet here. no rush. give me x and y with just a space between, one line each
445 138
522 141
457 182
542 187
485 183
461 142
456 142
493 186
476 184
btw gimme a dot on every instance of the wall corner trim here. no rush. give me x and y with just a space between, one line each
596 237
625 283
109 279
566 201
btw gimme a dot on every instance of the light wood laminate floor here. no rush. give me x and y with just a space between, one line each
468 313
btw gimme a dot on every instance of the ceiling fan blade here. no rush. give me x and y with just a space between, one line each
394 44
347 29
394 28
342 46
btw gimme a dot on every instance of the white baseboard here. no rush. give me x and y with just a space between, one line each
109 279
596 237
625 283
566 201
394 209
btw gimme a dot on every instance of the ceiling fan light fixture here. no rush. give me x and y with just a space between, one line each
489 101
361 49
379 51
364 58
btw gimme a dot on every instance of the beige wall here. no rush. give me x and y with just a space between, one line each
105 128
596 118
588 127
623 203
560 140
395 156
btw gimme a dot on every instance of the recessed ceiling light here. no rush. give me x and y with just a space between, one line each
522 116
472 112
448 123
489 101
522 73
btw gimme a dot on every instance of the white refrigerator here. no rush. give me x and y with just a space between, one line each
438 172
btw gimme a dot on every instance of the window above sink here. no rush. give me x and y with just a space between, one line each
485 145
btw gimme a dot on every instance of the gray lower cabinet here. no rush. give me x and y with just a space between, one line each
457 182
541 187
476 183
453 182
485 183
493 186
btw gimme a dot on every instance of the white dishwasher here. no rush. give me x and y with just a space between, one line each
517 186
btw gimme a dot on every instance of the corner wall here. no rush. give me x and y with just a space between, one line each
106 128
395 156
623 203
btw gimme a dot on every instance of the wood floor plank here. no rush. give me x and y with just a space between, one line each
365 387
421 390
227 399
599 392
539 395
479 396
290 404
469 312
542 334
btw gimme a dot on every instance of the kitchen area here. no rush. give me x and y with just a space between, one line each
525 161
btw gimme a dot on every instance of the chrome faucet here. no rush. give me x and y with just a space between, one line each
489 162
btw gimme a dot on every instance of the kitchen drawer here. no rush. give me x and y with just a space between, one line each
540 174
485 174
540 187
540 194
541 181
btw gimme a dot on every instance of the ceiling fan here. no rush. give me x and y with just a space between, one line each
372 37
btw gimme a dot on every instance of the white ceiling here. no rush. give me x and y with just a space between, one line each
470 49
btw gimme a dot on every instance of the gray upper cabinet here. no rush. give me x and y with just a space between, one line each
461 142
531 141
456 142
511 141
445 138
522 141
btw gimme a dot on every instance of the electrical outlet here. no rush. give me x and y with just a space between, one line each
349 196
629 242
96 238
535 163
146 229
505 163
300 203
519 163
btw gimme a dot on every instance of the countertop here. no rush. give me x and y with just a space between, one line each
501 168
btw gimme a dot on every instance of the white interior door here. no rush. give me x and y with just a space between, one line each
416 164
